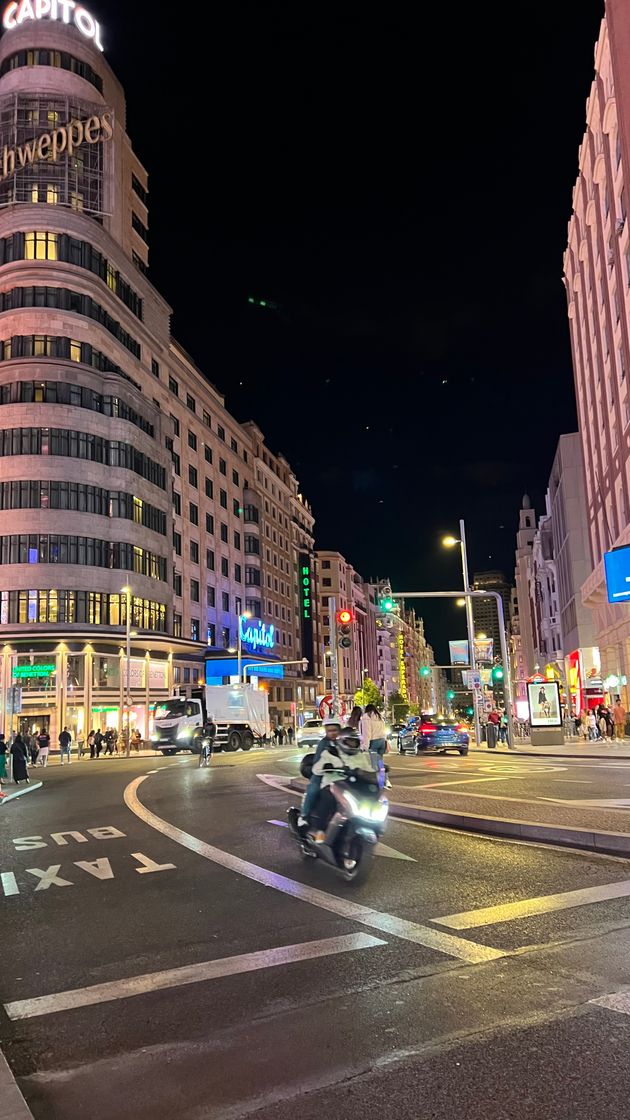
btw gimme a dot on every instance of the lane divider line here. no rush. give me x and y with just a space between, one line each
528 907
446 943
188 974
6 797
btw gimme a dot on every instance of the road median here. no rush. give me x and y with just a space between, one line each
590 830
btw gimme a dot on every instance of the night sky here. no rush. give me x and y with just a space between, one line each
398 181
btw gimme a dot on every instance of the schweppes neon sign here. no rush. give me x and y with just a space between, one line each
65 11
51 145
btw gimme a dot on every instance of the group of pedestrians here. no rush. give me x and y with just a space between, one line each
24 749
497 729
601 724
281 733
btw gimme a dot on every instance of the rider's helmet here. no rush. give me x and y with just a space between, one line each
349 741
332 722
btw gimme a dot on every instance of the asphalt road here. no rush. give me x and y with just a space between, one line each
168 954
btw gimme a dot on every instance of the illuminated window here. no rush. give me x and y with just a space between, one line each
40 246
137 510
52 195
42 346
75 351
52 116
111 283
76 200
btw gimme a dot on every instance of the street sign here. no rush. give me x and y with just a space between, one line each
473 679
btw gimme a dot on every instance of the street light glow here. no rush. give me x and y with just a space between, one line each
450 542
460 602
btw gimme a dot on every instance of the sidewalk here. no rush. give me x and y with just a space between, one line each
572 749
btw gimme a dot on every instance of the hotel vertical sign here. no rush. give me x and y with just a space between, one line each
307 604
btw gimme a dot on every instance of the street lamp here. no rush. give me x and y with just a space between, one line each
460 602
127 591
450 542
241 618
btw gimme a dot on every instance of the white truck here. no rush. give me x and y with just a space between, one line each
240 712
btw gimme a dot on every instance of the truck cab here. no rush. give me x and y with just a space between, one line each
179 725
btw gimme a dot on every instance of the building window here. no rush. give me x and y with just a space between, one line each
211 633
207 419
225 601
191 403
210 559
210 596
193 512
225 568
194 552
177 503
236 507
225 637
192 441
224 533
194 629
326 564
223 499
139 227
173 385
141 191
222 466
177 631
155 368
209 488
327 582
175 425
192 476
237 574
237 540
208 454
194 590
41 246
177 584
210 524
177 543
221 432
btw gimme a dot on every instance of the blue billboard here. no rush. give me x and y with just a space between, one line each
617 564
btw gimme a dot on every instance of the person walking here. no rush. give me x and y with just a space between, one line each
583 724
619 717
43 743
354 719
30 743
373 739
19 760
136 740
3 759
290 734
98 742
65 745
109 740
90 742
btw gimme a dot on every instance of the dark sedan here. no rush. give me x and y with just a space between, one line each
434 734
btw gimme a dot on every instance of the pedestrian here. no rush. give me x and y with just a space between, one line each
374 740
503 726
354 719
98 742
65 745
276 734
43 742
110 739
31 745
3 759
583 724
136 740
492 729
592 725
19 757
90 742
290 734
619 715
281 730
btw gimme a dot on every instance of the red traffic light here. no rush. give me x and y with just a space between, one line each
344 617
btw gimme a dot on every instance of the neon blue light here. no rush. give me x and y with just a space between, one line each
256 634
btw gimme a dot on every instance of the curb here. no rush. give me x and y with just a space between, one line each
10 797
606 843
547 754
12 1103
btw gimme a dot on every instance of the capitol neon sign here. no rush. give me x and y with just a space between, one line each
257 635
66 11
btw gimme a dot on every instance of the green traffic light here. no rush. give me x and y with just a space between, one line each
497 673
450 695
425 671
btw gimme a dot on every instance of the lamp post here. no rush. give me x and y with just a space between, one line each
127 591
450 542
363 676
241 618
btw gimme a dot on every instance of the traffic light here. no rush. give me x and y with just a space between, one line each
345 618
450 695
497 673
425 671
387 604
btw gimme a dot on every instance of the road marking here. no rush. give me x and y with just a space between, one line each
188 974
49 877
603 803
149 865
619 1002
545 904
457 947
381 849
456 782
573 781
20 792
9 883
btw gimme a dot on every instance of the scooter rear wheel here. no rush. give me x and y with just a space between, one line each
356 861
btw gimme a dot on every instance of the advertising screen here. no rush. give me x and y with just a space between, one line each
544 704
617 564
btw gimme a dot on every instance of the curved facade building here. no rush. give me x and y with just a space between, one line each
123 478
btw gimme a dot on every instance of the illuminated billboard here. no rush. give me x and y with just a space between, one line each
617 565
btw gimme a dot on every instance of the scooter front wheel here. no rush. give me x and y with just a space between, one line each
356 861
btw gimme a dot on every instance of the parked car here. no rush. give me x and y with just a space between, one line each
311 733
432 734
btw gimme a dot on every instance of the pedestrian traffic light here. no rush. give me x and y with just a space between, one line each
450 695
497 673
425 671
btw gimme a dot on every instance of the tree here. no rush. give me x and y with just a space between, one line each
398 706
368 694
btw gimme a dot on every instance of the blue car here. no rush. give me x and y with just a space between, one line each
431 734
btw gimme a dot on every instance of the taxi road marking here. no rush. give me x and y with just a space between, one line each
527 907
451 946
188 974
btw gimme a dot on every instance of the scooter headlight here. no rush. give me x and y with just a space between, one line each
352 802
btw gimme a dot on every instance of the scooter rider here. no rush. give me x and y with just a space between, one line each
332 727
335 757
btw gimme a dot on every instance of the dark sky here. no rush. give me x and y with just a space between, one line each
397 178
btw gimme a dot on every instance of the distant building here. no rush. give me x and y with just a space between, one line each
524 545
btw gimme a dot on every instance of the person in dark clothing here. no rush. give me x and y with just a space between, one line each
110 741
98 744
19 756
30 742
3 759
65 739
43 744
290 734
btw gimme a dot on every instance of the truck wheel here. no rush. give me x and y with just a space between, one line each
195 745
248 740
170 751
234 740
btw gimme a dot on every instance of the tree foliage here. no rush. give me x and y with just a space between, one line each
369 694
